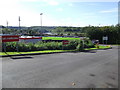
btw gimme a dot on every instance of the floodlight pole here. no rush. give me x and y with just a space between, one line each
19 22
7 23
41 20
19 29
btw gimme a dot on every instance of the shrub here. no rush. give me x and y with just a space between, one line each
88 43
24 47
72 45
79 47
10 46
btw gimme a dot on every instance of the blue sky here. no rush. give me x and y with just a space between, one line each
59 13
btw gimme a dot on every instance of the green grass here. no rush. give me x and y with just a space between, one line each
48 51
115 44
45 51
100 47
59 38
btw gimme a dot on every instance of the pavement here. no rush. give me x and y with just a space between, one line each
94 69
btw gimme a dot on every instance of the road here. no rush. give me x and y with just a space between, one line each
96 69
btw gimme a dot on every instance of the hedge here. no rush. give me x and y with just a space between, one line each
39 46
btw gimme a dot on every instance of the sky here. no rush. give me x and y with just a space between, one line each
59 12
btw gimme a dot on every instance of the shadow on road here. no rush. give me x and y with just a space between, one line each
21 57
90 51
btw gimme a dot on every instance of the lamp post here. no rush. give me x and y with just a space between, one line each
19 22
7 23
41 20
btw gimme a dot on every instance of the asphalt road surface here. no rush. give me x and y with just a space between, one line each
96 69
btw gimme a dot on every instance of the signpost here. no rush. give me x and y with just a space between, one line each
30 39
9 38
26 38
105 38
64 42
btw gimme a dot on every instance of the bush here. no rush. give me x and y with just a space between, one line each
49 46
9 46
24 47
72 45
88 43
79 47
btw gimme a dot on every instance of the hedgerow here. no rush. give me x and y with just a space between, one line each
39 46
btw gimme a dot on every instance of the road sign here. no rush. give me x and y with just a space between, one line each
65 42
105 38
26 38
10 38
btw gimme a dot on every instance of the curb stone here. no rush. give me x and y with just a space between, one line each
32 54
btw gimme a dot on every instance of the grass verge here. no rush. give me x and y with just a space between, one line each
100 47
59 38
45 51
50 51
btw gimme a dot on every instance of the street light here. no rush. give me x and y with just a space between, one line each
7 23
19 21
41 19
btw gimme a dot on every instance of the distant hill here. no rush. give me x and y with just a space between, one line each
43 29
2 26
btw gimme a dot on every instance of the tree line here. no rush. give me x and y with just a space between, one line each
93 32
112 32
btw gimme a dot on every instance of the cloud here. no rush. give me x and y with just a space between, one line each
91 0
88 14
59 9
70 4
28 0
93 4
51 2
109 11
12 9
